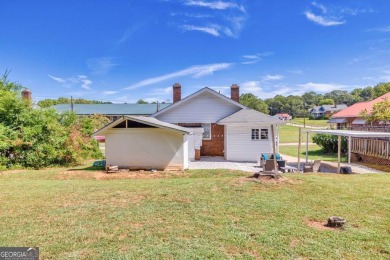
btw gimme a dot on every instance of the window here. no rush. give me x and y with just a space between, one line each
207 131
264 134
255 134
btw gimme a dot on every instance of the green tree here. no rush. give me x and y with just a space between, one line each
380 112
327 101
254 102
381 89
141 101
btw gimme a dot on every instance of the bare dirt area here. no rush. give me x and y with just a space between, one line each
267 179
320 225
125 174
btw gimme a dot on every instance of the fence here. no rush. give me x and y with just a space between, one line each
370 147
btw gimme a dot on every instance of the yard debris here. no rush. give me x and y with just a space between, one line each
112 168
336 222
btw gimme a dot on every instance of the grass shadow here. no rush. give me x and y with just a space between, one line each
88 168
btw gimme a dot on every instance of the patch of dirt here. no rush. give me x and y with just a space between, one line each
102 175
320 225
266 179
12 171
294 242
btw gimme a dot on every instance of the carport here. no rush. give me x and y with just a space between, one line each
340 133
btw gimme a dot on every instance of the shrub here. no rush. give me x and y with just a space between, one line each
329 143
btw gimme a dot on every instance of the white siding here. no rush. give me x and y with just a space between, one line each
205 108
147 148
240 146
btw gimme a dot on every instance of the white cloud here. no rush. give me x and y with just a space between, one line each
322 20
385 29
80 80
254 58
219 5
272 77
323 87
212 29
109 92
101 66
194 71
321 7
58 79
224 19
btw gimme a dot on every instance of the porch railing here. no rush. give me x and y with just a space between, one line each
370 147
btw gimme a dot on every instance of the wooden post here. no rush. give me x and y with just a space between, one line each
307 147
299 149
274 150
349 148
338 153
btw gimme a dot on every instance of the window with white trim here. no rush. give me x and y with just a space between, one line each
255 134
264 134
207 131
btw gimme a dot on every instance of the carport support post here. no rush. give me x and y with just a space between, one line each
274 150
307 147
349 148
299 149
338 153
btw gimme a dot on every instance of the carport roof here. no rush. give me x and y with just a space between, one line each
362 134
144 120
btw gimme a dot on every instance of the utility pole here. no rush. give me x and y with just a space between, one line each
71 103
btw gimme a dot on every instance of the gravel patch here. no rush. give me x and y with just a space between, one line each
222 163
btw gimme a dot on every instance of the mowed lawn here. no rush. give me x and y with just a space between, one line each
197 214
315 152
311 122
290 134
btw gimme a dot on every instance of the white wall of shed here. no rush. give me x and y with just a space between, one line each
205 108
146 148
239 145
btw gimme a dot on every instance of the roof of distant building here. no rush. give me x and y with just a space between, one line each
111 109
355 109
331 108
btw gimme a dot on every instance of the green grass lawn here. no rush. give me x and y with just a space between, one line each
311 122
290 134
198 214
315 153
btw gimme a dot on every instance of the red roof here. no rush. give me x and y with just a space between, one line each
283 115
355 109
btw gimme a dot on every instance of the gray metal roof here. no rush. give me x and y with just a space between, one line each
145 120
250 116
111 109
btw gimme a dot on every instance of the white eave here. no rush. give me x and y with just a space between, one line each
144 120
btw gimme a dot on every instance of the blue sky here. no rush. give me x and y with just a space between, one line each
122 51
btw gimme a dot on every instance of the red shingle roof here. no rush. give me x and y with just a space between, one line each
355 109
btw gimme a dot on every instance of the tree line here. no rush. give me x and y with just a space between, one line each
298 106
64 100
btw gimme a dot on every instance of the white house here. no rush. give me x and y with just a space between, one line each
205 123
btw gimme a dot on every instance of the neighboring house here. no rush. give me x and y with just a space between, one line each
112 111
326 110
350 117
205 123
283 116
